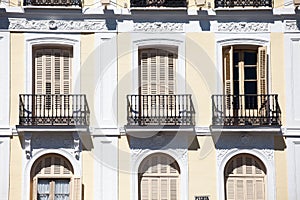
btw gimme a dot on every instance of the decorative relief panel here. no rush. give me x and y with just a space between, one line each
61 25
243 27
158 27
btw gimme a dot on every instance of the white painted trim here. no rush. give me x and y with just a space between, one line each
58 39
222 40
5 78
183 165
291 65
140 40
29 163
269 164
105 94
4 167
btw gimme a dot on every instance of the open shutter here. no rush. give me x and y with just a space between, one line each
228 77
66 68
262 71
144 77
76 189
39 72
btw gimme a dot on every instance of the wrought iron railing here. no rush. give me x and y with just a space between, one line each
54 109
242 3
146 110
52 3
158 3
252 110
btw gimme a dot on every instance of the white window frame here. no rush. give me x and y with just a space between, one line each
52 39
179 155
28 166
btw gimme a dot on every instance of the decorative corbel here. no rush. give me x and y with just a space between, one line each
76 147
27 145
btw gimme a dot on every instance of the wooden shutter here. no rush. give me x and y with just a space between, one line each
228 71
34 188
157 71
53 71
262 71
76 189
145 189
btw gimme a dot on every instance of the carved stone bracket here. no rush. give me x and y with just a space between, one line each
27 145
158 27
291 25
61 25
77 149
243 27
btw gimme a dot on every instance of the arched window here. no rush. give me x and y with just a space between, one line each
52 179
159 177
245 178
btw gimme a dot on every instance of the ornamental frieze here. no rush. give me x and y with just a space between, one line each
243 27
158 27
61 25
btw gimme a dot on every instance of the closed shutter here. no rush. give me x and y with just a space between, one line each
53 71
157 71
246 180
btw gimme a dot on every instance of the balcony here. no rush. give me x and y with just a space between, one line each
52 3
158 3
160 110
53 110
242 3
246 110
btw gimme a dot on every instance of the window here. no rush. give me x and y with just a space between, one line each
159 178
157 71
52 179
245 76
245 177
52 70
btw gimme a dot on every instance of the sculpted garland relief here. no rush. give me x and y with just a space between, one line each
68 25
243 27
158 27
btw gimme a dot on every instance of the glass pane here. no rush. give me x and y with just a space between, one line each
236 88
235 58
250 73
235 73
62 190
43 189
250 58
250 87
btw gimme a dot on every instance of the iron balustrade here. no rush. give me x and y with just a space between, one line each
242 3
158 3
146 110
52 3
252 110
53 109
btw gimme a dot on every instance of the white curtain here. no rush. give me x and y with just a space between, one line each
62 190
43 189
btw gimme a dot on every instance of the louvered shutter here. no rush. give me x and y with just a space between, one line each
259 187
145 189
76 189
53 71
228 77
164 189
262 71
174 189
157 71
154 189
230 189
250 190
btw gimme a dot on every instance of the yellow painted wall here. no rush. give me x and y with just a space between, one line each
278 71
202 169
87 71
124 169
281 168
16 175
201 73
17 61
124 74
88 175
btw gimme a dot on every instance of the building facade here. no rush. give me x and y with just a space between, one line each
140 100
